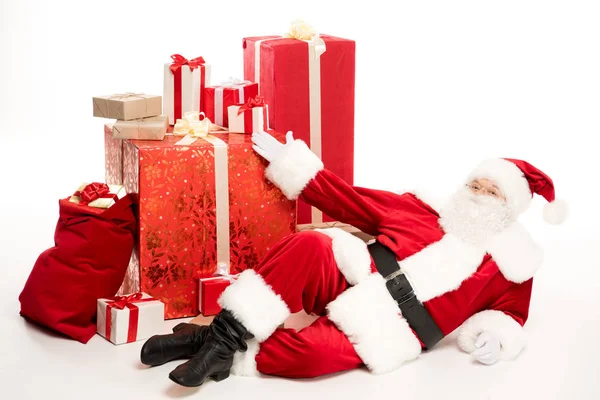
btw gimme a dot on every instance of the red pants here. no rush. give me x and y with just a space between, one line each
331 275
302 270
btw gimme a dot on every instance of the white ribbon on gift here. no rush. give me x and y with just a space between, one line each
316 47
229 83
200 131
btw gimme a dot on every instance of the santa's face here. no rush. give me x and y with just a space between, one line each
474 216
486 187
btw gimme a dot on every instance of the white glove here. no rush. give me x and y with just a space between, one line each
269 147
488 348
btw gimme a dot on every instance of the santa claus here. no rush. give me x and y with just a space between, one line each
433 268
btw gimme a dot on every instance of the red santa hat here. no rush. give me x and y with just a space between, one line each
519 180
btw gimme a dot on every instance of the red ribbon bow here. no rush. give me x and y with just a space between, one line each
257 101
93 191
121 302
179 61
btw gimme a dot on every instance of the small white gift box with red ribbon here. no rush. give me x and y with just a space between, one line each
249 117
127 319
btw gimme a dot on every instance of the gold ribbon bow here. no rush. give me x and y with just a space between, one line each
191 125
302 31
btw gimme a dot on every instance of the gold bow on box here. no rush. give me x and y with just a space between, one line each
192 127
302 31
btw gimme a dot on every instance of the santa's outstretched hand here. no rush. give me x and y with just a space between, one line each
269 147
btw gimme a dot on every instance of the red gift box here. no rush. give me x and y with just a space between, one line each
311 93
209 293
200 205
218 98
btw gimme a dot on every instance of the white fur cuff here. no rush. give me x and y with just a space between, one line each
294 168
244 364
253 303
510 332
371 320
350 253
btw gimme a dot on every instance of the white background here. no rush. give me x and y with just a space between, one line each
440 85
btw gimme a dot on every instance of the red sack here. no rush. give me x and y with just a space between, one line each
89 260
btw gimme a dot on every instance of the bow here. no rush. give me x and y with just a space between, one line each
191 124
121 302
257 101
232 82
302 31
92 192
179 61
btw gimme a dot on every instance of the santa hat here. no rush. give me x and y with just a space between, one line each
519 180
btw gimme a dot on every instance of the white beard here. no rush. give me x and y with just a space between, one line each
474 218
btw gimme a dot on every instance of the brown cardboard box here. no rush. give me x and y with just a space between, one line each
345 227
127 106
153 128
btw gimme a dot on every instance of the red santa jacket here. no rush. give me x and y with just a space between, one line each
480 289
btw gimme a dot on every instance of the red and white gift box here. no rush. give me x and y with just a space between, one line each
184 83
249 117
209 292
228 93
127 319
308 81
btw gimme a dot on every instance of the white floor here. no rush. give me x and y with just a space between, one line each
561 360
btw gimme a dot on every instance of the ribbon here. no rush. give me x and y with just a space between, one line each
126 95
221 195
94 191
120 302
257 101
300 30
192 125
178 62
222 202
230 83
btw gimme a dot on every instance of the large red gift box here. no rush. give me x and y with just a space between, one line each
309 87
200 205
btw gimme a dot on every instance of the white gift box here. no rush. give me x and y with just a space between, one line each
193 82
126 319
250 121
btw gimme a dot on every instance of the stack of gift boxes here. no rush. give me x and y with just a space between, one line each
206 211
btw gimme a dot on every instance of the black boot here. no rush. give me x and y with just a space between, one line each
184 342
215 357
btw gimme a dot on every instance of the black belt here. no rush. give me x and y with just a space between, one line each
402 292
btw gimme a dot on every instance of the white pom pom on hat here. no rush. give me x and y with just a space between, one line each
519 180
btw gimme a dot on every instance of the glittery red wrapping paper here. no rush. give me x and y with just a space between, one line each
177 228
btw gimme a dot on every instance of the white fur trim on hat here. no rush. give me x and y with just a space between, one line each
254 304
510 332
371 320
556 212
293 168
351 254
509 178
